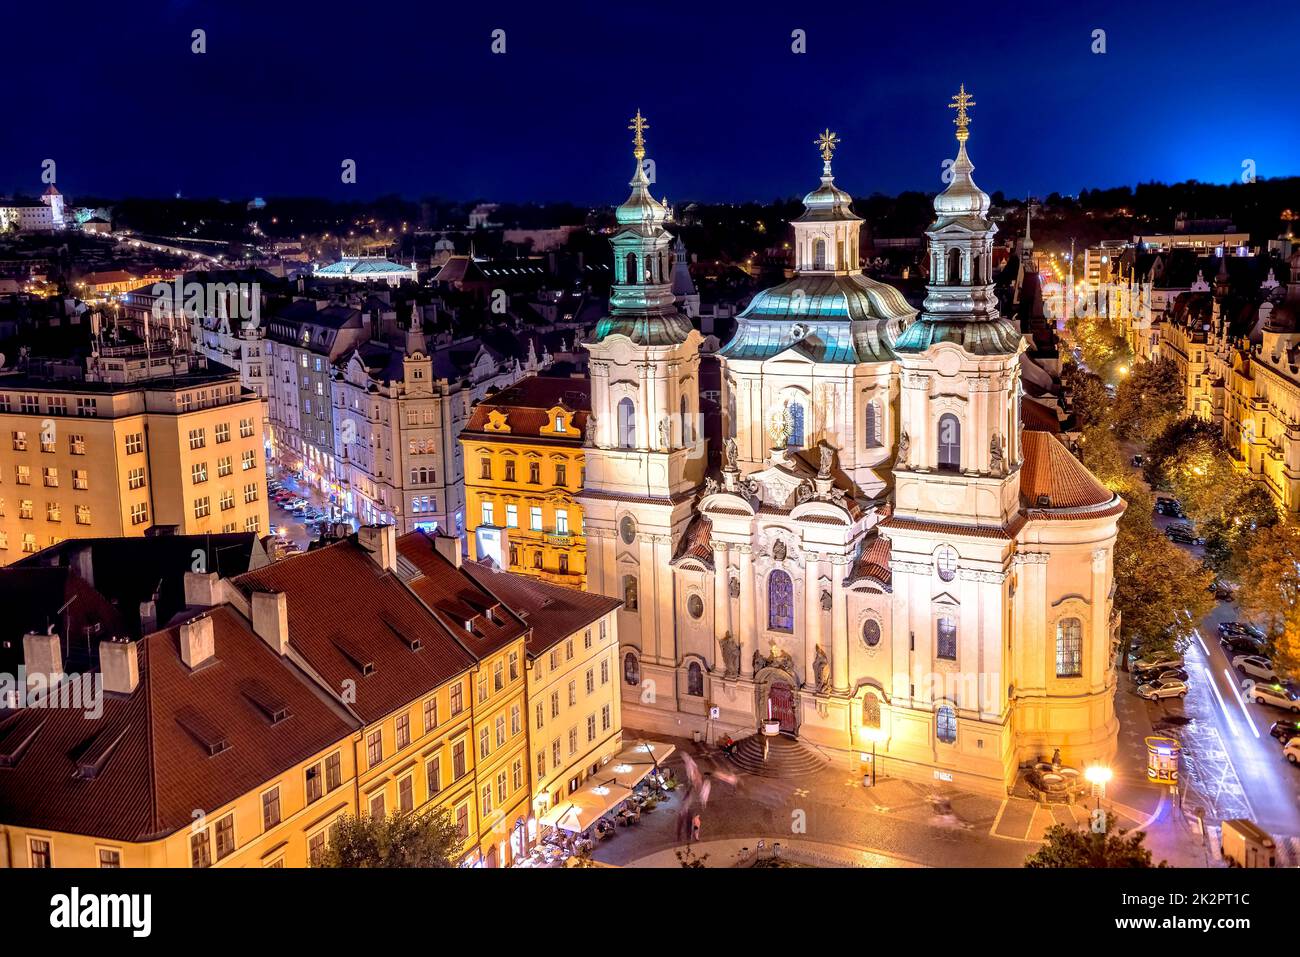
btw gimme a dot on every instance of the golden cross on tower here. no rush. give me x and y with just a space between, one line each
638 126
826 142
959 103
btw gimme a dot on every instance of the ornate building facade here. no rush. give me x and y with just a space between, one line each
885 561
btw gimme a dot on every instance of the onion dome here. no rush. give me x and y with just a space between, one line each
962 198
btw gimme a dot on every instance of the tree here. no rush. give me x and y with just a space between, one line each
1270 591
1161 591
1067 846
1149 398
1101 343
1227 538
394 840
1088 398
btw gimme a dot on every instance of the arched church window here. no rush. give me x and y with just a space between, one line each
872 424
629 269
976 271
631 669
953 274
945 724
780 602
695 679
795 440
629 593
949 442
1069 648
819 254
626 424
686 425
870 710
945 563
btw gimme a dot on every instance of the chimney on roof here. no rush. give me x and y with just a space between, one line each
81 560
198 641
448 547
148 617
381 542
202 589
43 655
119 665
271 619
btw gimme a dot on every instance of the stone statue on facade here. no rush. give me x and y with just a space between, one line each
997 461
711 486
589 431
729 451
826 599
827 460
904 443
759 661
664 428
730 655
822 671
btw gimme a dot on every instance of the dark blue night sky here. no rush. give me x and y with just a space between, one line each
411 91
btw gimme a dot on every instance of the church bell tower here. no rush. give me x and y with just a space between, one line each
646 453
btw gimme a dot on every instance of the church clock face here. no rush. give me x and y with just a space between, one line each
627 530
946 563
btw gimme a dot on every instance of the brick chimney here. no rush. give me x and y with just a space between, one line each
119 665
202 589
148 617
271 619
448 547
43 655
381 542
198 641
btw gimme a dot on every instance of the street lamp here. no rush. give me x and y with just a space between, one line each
1097 775
874 735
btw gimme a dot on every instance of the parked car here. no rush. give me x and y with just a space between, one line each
1223 590
1241 645
1139 461
1271 693
1241 629
1173 674
1170 506
1170 688
1182 536
1159 662
1284 731
1257 666
1291 751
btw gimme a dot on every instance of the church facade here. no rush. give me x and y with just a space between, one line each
887 563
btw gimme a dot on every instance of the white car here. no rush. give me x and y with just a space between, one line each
1270 693
1256 666
1164 688
1292 751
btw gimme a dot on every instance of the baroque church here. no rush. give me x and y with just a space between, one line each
887 563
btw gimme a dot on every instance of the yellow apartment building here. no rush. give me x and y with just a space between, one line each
113 457
574 696
523 454
496 636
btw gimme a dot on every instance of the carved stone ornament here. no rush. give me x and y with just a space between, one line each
778 550
733 587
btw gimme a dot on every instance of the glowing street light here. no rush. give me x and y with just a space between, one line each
875 736
1097 775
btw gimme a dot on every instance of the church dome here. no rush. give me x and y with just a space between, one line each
641 209
962 198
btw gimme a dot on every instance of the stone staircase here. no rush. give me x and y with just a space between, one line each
787 757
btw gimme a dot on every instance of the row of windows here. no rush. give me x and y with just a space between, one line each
199 437
76 442
53 511
606 722
488 514
50 477
87 407
561 472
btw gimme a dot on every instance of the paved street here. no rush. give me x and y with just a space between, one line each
829 818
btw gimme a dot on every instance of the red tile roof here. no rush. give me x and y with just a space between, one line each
1039 418
552 612
1050 470
152 772
873 563
697 543
528 402
456 598
343 606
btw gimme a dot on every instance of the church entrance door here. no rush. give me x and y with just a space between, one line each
780 700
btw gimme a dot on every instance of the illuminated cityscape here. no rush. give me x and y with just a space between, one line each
483 508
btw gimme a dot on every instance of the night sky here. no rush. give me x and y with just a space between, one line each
412 92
